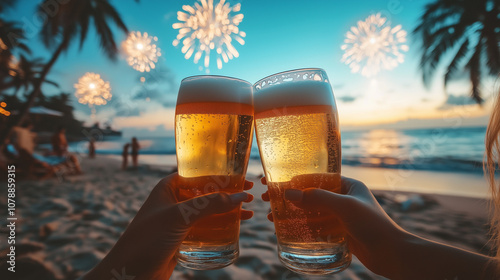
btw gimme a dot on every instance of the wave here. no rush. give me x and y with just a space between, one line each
429 164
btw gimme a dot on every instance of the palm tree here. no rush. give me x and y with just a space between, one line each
71 20
468 28
23 73
11 38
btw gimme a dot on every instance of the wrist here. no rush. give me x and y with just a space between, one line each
400 260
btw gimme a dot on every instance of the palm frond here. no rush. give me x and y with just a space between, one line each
6 4
12 35
453 66
431 56
111 13
474 67
53 83
84 22
492 46
106 39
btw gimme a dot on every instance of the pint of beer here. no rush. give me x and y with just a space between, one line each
297 130
213 136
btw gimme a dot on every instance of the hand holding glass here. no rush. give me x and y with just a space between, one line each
213 136
297 130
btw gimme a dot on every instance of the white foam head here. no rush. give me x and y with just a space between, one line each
291 89
214 89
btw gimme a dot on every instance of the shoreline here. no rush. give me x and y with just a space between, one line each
376 178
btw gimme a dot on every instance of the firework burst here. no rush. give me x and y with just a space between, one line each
142 53
205 27
92 90
373 45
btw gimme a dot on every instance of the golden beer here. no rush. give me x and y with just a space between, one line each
299 142
213 138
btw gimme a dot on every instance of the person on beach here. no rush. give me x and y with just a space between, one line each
92 147
60 150
59 142
125 156
23 137
377 241
135 151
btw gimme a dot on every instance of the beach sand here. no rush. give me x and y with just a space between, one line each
67 224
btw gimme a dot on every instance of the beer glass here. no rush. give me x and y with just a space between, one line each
213 136
297 128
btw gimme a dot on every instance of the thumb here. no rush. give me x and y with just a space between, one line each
199 207
319 199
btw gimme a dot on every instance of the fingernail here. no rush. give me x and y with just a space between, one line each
293 195
238 197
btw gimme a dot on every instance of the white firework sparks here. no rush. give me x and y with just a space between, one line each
205 27
142 53
92 90
373 45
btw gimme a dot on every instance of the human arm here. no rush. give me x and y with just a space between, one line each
383 246
147 248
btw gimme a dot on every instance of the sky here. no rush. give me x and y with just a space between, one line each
280 35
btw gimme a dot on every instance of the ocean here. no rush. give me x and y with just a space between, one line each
436 149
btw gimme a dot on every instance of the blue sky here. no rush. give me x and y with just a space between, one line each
281 35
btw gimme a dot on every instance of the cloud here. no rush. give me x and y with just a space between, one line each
152 131
145 92
415 123
123 107
347 98
456 100
125 111
159 76
148 119
157 86
338 86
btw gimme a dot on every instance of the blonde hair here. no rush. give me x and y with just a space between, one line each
492 154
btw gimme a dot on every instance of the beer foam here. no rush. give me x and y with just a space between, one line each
214 89
291 94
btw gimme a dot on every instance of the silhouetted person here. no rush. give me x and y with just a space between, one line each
59 142
135 151
92 148
23 138
125 156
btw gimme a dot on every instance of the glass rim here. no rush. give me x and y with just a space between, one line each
287 72
214 76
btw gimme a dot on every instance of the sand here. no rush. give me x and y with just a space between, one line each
66 225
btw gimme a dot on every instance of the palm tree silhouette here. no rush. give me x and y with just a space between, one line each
468 28
24 74
11 38
69 21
